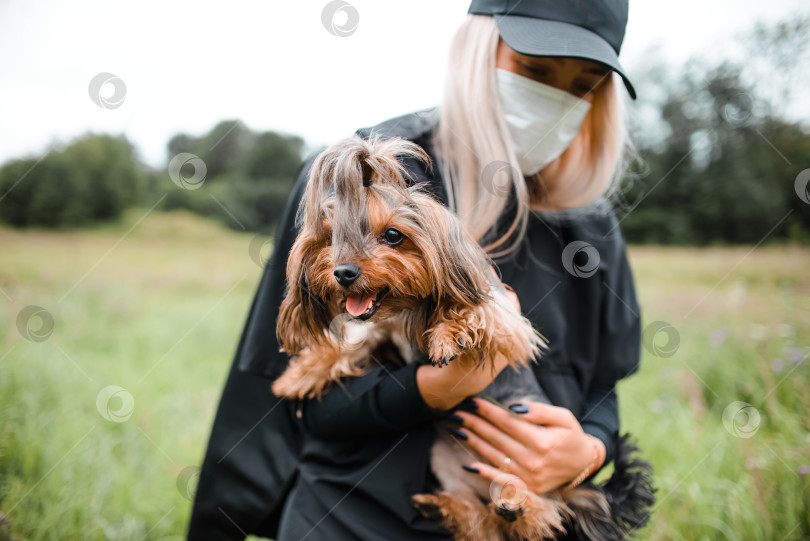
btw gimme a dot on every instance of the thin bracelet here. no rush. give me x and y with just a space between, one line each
587 471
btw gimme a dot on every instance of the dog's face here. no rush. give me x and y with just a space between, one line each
375 258
372 247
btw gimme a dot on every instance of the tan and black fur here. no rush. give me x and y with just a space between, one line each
435 292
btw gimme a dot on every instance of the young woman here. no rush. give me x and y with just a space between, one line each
528 140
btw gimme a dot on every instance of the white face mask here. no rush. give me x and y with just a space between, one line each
542 120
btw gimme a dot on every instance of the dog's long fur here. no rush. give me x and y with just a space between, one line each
430 293
438 296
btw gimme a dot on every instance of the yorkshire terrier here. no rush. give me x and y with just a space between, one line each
379 258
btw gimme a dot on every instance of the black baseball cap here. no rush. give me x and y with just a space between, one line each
590 29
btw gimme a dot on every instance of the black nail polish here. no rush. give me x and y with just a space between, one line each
455 418
457 433
519 408
470 469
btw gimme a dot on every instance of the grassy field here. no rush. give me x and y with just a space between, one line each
104 414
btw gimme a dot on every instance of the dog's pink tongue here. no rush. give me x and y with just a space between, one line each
358 305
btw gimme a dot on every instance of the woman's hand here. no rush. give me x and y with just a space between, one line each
546 452
444 387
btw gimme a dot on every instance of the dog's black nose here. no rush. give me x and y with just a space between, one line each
347 273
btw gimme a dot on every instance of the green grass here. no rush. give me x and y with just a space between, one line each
158 308
743 319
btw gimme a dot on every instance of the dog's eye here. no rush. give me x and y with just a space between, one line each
393 237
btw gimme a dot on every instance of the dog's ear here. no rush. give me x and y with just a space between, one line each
453 257
303 316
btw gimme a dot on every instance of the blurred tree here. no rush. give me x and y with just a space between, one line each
721 158
93 179
249 175
274 156
778 57
16 190
181 143
224 147
720 154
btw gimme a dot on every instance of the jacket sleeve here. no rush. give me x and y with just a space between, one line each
384 399
620 350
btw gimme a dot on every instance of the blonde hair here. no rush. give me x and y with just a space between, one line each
473 144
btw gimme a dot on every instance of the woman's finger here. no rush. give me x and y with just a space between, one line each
501 442
546 414
506 489
485 470
490 453
518 427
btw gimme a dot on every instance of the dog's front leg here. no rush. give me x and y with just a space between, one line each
454 331
315 369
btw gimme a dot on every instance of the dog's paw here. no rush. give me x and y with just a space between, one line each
508 513
444 347
443 362
427 505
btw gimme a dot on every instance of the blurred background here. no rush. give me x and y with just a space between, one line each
146 155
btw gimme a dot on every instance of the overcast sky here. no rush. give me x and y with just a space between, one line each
187 65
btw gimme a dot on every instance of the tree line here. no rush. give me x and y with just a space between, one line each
720 161
244 182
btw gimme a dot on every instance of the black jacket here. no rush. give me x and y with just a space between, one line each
591 320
